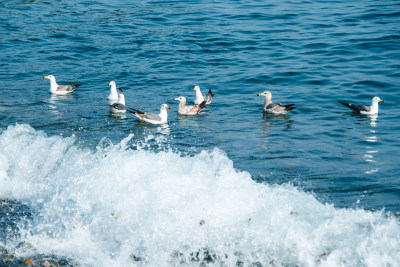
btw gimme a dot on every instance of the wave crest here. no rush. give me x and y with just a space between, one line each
120 204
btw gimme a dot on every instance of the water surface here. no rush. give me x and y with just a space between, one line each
311 53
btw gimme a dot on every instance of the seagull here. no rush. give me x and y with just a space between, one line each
60 89
151 117
113 96
119 107
189 110
363 109
275 108
200 98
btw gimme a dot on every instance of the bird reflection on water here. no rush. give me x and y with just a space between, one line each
372 138
366 119
143 128
271 122
55 98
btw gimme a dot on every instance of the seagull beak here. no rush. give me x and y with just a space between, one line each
109 84
45 77
168 108
194 89
259 94
380 100
176 99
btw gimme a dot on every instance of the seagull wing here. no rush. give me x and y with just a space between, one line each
357 108
67 88
144 115
118 106
197 108
149 116
278 108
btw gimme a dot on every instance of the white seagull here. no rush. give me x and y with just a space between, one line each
119 107
200 98
151 117
189 110
275 108
363 109
113 96
60 89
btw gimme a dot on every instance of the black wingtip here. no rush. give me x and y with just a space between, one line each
345 104
210 93
203 104
131 111
77 85
134 111
290 107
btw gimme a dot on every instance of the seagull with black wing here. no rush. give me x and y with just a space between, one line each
364 109
275 108
152 118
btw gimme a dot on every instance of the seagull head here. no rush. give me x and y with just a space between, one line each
50 77
266 94
377 99
165 106
196 88
112 83
180 99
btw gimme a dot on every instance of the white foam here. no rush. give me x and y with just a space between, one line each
115 204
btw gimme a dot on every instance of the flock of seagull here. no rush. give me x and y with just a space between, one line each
117 105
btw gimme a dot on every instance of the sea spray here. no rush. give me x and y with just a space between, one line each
124 204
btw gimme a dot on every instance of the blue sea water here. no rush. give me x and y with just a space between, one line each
230 186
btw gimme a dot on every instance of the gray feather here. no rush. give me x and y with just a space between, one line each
149 116
275 108
118 106
68 88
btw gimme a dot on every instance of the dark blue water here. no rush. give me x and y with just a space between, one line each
311 53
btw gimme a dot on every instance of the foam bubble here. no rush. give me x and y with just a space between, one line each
122 204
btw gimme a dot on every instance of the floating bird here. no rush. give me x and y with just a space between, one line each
275 108
60 89
200 98
189 110
151 117
113 96
119 107
363 109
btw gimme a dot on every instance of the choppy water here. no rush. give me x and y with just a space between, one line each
319 186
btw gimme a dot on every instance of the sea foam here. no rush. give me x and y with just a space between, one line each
122 205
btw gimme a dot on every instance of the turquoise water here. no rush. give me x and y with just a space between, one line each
68 164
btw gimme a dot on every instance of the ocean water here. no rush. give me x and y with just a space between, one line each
228 187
